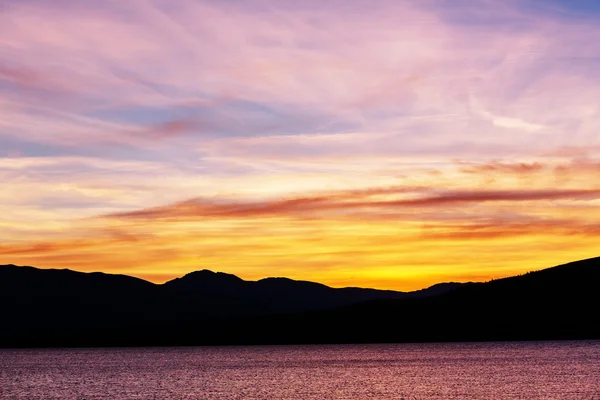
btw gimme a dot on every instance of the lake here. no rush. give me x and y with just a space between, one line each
522 370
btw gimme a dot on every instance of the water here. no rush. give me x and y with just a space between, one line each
537 370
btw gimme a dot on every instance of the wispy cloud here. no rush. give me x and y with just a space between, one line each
503 167
350 201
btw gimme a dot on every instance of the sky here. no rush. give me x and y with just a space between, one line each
388 144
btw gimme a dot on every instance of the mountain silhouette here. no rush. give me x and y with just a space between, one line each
551 304
68 308
48 304
223 294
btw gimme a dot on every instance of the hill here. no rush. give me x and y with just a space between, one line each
45 306
214 308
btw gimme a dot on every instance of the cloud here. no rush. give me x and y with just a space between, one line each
166 130
19 76
579 152
503 167
516 124
353 201
524 226
364 64
578 168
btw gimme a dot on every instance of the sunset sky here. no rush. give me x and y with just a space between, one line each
388 144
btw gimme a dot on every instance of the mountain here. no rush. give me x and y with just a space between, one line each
218 293
43 305
214 308
551 304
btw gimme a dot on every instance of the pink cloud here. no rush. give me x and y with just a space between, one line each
353 58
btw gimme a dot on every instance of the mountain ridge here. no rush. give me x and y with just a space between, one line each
208 272
550 304
196 295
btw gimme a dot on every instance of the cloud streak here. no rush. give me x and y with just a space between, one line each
349 202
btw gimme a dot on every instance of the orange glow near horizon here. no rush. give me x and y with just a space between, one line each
355 238
392 146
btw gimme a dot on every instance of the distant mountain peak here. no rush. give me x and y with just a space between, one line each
203 279
287 281
207 273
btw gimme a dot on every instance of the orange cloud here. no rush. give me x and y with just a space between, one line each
349 201
501 167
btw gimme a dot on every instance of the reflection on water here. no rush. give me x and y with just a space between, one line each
536 370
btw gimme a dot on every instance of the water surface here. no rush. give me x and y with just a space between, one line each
535 370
